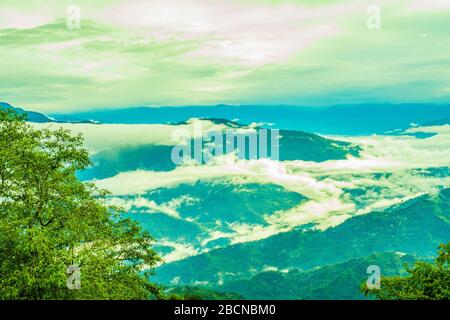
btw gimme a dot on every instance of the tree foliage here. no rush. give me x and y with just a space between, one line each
426 281
198 293
49 221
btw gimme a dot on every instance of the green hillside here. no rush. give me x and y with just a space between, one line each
338 281
415 227
200 214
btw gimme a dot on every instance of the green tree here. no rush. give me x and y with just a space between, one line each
426 281
50 221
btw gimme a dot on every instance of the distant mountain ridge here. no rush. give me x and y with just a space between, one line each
361 119
37 117
32 116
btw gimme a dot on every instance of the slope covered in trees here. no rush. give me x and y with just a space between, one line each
415 227
425 281
337 281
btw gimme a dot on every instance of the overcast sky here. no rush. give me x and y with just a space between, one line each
185 52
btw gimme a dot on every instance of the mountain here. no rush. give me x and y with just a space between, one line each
37 117
361 119
300 145
198 214
341 281
293 145
439 122
31 116
108 163
415 227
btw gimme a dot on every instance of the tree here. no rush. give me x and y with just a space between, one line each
427 281
52 223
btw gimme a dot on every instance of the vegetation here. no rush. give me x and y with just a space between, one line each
415 227
426 281
337 281
50 221
199 293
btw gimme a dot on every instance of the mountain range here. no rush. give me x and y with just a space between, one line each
37 117
358 119
31 115
208 226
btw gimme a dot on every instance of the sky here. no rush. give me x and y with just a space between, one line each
206 52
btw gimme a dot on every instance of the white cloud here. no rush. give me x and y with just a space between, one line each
109 136
147 206
381 204
252 33
444 129
180 250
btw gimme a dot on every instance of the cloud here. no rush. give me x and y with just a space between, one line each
179 252
147 206
111 136
407 152
444 129
179 52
